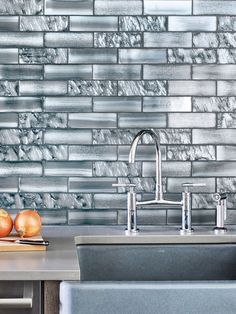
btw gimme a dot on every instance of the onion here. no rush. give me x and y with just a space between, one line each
27 223
5 223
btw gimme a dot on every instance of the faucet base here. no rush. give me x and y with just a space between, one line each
186 231
131 232
220 230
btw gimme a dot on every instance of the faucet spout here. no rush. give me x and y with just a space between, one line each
132 156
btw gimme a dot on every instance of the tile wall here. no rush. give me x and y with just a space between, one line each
79 78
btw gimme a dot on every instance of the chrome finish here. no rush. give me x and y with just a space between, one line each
132 203
131 206
132 154
186 226
221 211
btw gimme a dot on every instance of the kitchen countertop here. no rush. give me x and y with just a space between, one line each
58 262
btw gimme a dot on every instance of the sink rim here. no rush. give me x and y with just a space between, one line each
154 235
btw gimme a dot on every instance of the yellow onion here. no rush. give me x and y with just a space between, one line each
27 223
5 223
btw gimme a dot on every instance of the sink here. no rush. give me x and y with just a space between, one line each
158 254
154 271
193 262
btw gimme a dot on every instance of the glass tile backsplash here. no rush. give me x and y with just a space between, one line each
78 79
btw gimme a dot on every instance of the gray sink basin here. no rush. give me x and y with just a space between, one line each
154 271
157 262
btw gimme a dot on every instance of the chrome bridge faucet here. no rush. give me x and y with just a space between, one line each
132 202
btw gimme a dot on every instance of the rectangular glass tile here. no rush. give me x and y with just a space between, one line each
9 55
168 7
190 88
226 88
142 120
92 88
20 104
18 72
20 169
68 136
14 7
66 72
193 152
42 152
9 185
191 120
8 23
119 7
93 55
117 104
118 39
66 104
142 88
104 201
167 72
113 72
43 23
22 39
166 104
52 184
192 23
8 120
92 153
69 7
220 136
42 55
214 72
221 7
40 88
226 23
142 23
42 120
67 200
226 152
93 23
91 185
214 104
142 56
179 55
169 169
206 40
68 40
68 168
54 217
214 168
170 39
9 88
92 120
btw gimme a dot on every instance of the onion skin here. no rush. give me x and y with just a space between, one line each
27 223
6 223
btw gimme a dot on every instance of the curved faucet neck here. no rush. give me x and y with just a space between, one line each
132 157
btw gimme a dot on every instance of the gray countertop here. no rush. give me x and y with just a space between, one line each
58 262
